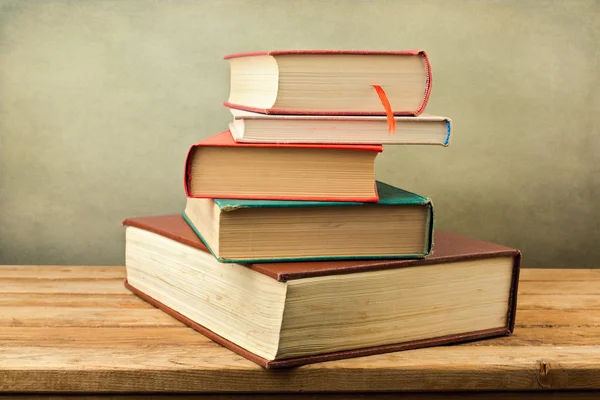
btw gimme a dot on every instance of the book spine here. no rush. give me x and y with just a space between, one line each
187 171
428 84
429 228
512 300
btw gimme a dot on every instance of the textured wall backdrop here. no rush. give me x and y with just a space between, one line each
101 99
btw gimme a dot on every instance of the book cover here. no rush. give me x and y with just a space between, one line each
448 247
225 139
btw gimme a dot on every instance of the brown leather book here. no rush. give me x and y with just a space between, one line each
288 314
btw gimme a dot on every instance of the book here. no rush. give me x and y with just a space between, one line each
287 314
250 127
335 82
399 225
218 167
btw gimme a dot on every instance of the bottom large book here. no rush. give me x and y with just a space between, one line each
288 314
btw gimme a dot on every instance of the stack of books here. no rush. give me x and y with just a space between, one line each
289 251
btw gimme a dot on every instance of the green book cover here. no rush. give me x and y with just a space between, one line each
388 196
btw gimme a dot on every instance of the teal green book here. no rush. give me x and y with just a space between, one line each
398 226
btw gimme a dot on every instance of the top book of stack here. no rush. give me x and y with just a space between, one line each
326 82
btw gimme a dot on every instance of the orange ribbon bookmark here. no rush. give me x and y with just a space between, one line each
388 109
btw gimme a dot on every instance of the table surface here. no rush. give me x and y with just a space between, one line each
77 329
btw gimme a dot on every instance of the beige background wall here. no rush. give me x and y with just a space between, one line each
101 99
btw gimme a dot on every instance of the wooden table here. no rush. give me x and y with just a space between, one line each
77 329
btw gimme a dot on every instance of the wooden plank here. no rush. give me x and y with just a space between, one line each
562 275
555 318
83 316
558 287
31 285
113 286
54 272
545 395
177 336
106 317
543 336
558 302
74 300
111 337
119 298
216 370
118 272
525 301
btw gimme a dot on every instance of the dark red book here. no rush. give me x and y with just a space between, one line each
218 167
287 314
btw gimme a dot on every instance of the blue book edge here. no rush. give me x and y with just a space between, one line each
449 131
388 195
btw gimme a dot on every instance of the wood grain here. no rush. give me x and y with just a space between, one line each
76 329
83 316
568 395
559 302
562 275
552 318
73 300
179 335
50 272
74 286
559 287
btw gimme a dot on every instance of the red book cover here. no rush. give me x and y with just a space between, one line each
283 111
225 139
